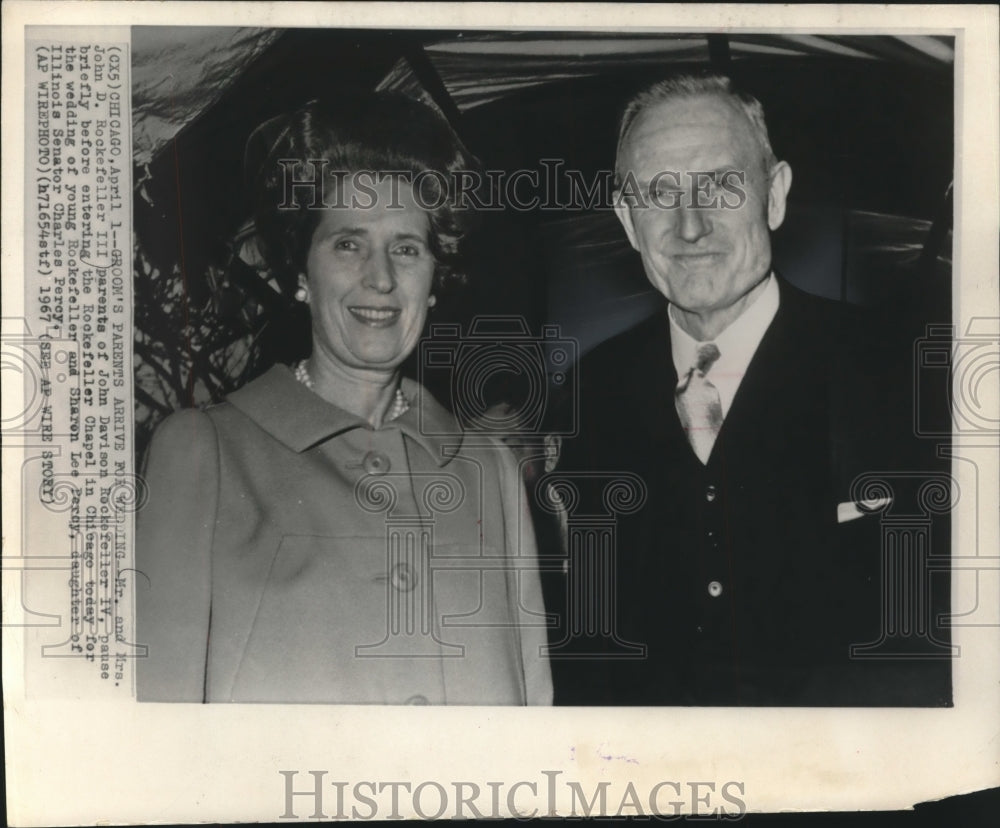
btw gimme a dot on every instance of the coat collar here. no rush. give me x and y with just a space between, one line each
300 418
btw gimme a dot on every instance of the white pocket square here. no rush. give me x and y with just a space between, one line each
852 511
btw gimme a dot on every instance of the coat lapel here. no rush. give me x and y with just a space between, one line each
653 374
777 396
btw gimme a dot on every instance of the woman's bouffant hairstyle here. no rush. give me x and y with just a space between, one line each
376 132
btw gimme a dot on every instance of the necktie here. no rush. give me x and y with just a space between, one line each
698 405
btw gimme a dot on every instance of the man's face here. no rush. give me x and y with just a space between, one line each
702 259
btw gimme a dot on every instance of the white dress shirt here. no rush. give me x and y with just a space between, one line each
737 344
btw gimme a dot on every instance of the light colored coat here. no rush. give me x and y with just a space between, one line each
294 554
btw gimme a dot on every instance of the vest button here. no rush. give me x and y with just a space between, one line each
714 589
710 493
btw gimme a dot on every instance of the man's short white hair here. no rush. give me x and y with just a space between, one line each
694 86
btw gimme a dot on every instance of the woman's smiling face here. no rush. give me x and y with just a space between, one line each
369 272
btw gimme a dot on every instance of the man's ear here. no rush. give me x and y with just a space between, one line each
781 183
624 213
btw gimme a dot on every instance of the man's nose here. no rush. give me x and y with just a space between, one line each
692 224
378 272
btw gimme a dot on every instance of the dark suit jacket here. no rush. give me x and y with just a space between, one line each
816 407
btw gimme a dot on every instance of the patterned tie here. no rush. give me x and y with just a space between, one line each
698 405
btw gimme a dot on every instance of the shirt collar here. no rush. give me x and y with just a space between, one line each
738 342
300 418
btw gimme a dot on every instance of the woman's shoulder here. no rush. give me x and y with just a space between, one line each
185 432
222 418
220 427
185 424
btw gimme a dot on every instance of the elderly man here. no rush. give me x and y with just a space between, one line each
746 408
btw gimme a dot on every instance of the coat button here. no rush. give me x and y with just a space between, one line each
403 578
375 462
714 589
417 699
710 493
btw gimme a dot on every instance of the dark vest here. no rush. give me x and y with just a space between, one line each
734 576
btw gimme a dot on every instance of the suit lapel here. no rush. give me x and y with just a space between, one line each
655 372
780 383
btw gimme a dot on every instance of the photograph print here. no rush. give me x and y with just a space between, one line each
543 367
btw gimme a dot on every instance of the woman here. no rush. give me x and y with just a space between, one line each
326 534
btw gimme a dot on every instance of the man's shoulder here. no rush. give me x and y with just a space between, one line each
822 315
615 379
810 310
835 332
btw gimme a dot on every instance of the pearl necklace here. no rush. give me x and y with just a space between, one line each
400 405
